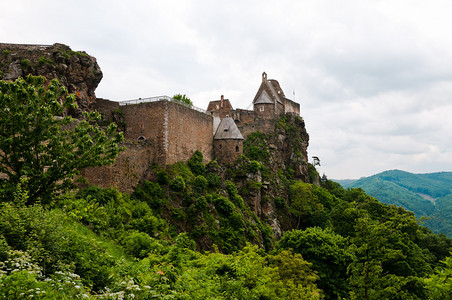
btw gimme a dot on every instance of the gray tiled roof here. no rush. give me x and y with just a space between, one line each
228 130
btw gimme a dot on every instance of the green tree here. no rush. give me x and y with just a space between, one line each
328 252
439 284
387 265
40 144
305 204
183 98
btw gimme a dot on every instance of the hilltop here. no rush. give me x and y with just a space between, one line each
427 195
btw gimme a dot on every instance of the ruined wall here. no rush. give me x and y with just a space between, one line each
243 116
106 108
291 106
130 167
160 132
188 130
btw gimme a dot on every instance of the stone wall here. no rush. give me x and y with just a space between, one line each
227 151
187 130
145 121
160 132
130 167
106 107
265 110
291 107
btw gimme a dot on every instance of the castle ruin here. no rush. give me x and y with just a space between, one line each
163 131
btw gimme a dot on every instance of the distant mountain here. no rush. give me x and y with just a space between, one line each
344 182
427 195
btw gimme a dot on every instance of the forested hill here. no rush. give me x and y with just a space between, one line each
427 195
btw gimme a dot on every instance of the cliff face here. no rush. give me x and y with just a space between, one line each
283 158
77 71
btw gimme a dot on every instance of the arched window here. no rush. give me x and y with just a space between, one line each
141 138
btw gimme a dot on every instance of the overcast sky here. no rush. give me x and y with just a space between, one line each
373 78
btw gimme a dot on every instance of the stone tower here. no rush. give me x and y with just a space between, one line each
227 141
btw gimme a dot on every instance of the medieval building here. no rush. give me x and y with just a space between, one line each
163 131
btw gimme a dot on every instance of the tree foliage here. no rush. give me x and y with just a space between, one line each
183 98
40 144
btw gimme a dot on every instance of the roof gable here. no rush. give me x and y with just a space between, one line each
272 89
263 98
228 130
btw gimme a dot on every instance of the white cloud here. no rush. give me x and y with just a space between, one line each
373 78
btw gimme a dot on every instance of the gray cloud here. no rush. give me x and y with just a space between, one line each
373 78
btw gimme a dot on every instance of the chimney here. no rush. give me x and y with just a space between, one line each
221 101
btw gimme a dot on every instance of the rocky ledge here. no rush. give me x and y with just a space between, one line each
76 70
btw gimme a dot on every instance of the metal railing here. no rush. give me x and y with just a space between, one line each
160 98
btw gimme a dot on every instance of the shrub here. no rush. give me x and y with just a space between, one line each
162 177
201 203
196 163
200 184
223 205
280 202
139 244
213 180
177 184
234 194
256 147
254 166
25 63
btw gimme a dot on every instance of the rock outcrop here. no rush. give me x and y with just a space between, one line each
76 70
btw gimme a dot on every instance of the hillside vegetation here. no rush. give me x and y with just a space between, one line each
247 230
429 196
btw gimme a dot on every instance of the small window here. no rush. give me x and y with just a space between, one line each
262 108
220 146
218 106
237 148
141 138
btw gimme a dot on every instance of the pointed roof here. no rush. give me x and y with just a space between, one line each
228 130
269 91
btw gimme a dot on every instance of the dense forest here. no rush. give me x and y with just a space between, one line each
190 230
429 196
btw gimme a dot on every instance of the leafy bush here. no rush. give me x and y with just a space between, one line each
200 184
201 203
223 205
196 163
256 147
213 180
234 194
162 177
280 202
254 166
177 184
139 244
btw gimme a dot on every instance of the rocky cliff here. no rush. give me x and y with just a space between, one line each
76 70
